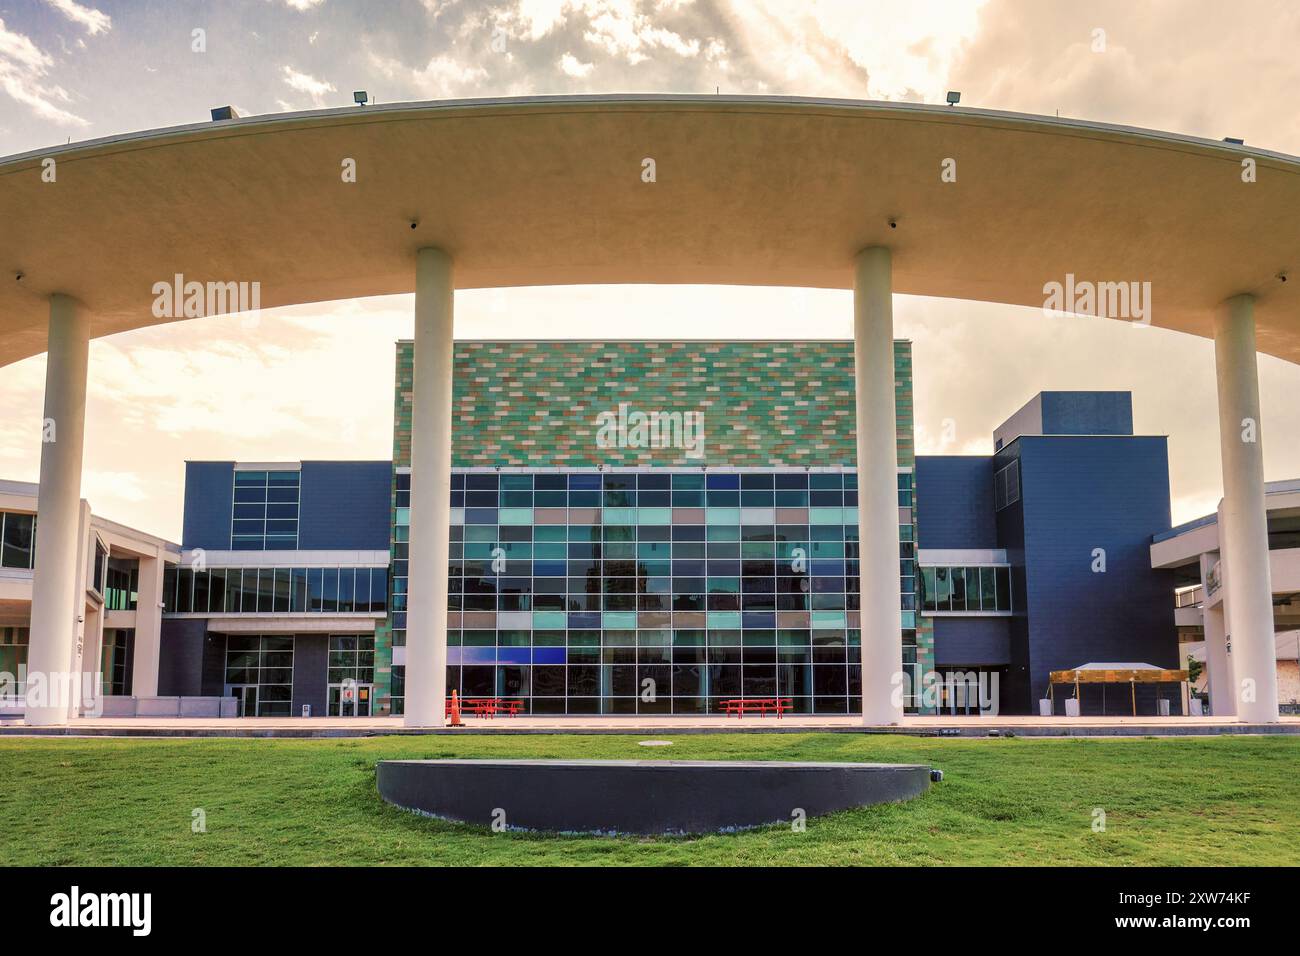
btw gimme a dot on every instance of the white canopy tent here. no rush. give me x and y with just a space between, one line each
1128 672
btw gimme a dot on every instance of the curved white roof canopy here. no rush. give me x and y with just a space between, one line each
548 190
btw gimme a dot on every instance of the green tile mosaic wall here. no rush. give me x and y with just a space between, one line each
760 403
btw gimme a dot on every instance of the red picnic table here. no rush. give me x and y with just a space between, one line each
488 706
757 705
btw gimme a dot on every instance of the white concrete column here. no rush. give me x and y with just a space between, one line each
89 669
1218 666
55 603
426 616
873 357
148 628
1243 534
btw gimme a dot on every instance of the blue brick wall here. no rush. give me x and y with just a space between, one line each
954 502
1078 494
1087 413
345 505
209 498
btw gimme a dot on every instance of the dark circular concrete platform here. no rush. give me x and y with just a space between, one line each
640 796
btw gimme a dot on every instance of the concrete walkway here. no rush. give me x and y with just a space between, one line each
915 726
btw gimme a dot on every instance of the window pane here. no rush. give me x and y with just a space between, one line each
265 591
330 591
957 581
988 589
942 590
928 584
298 591
1004 589
169 589
201 592
282 590
233 588
185 591
315 589
346 590
216 590
249 603
18 540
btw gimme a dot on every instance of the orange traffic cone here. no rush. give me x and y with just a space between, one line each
455 711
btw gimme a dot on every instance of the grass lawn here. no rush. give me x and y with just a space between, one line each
1210 801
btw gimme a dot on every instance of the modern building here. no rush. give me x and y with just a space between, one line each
119 587
748 190
658 527
1048 506
283 586
1193 553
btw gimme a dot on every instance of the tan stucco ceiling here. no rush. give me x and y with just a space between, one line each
548 190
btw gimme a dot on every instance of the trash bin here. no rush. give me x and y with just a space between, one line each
1163 708
1195 707
1044 707
306 710
1072 707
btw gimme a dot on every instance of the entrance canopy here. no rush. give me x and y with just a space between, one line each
1118 674
974 204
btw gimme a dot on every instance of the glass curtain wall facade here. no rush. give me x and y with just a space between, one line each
966 590
331 590
597 580
657 591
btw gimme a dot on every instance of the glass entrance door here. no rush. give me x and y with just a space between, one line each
969 693
246 697
350 699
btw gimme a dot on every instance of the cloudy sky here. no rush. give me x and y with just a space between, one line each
231 388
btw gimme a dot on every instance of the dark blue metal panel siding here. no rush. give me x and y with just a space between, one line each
310 673
1016 693
344 505
1079 494
971 641
954 502
209 496
1087 413
180 656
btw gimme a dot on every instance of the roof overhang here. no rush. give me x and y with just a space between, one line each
549 191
